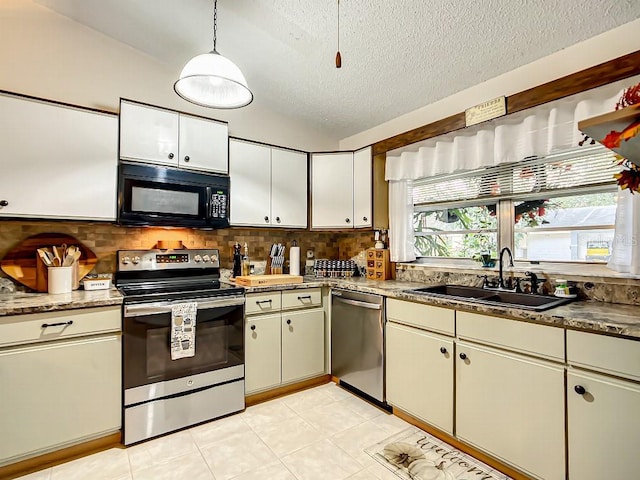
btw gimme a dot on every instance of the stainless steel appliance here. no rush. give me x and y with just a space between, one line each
158 195
161 395
357 343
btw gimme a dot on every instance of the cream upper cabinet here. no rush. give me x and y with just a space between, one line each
203 144
62 162
250 176
332 190
362 170
165 137
288 188
268 186
602 410
512 406
341 189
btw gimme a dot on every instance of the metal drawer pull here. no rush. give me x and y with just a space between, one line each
304 297
262 301
45 325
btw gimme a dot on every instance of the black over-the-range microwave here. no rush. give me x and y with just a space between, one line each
165 196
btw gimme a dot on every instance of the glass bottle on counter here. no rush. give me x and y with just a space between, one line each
246 268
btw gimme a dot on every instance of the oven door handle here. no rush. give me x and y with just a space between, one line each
165 307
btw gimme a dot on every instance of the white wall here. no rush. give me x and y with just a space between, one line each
596 50
48 55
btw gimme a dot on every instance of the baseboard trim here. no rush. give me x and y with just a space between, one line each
261 397
463 447
48 460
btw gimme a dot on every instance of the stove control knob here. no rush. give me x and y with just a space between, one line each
214 258
136 260
126 260
197 259
206 258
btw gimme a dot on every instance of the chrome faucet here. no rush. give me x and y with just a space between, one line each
501 278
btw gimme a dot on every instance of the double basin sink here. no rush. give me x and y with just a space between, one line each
524 301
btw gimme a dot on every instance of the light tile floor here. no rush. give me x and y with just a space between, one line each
320 433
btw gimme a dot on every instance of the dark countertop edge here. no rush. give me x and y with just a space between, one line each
30 303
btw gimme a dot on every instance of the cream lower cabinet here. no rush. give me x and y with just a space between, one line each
60 391
603 412
512 406
262 352
302 344
284 338
419 371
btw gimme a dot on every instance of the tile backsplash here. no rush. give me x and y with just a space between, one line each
105 239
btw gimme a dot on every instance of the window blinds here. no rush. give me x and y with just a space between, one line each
559 174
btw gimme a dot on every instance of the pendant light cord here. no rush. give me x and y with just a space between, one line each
215 24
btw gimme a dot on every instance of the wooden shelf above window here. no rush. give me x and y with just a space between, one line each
616 122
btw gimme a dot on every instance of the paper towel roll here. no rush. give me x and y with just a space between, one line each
294 261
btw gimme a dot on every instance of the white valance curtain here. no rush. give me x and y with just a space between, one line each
538 131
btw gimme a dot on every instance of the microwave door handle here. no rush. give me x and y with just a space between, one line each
165 307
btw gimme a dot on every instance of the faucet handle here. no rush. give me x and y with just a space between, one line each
533 280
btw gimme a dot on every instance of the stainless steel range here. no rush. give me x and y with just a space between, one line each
162 392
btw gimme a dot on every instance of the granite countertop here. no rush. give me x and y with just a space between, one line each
597 317
21 303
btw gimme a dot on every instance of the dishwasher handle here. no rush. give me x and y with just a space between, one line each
357 303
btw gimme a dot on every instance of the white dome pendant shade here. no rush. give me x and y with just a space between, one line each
211 80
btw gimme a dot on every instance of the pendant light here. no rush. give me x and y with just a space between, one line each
211 80
338 56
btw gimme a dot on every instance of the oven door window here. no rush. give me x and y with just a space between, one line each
155 198
147 354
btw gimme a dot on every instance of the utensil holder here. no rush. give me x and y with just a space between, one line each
60 280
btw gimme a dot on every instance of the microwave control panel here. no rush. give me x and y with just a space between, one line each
218 204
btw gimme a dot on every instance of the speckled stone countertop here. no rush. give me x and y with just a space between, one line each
597 317
22 303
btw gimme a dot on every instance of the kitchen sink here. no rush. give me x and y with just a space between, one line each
524 301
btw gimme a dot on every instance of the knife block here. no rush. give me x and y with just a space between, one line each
275 266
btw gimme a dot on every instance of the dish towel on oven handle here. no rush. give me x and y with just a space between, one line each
183 330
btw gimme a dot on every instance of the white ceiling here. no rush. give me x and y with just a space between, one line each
397 56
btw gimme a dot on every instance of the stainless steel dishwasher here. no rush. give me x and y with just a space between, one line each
357 343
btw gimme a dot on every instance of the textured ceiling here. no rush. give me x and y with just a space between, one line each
397 56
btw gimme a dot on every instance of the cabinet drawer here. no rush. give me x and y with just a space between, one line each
438 319
618 356
263 303
311 297
42 327
524 337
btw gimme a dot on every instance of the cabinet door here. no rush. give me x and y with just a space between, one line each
603 426
60 162
250 172
262 352
204 144
362 169
332 190
420 374
302 344
148 134
55 393
512 406
288 188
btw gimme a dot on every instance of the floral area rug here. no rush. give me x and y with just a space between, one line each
415 455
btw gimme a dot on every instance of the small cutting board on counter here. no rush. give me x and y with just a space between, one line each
263 280
21 262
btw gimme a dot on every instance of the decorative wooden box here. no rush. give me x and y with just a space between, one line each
378 265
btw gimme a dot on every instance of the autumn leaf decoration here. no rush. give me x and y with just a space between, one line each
629 177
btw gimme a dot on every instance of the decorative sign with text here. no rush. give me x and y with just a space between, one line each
486 111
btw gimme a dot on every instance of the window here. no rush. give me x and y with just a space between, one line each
557 208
